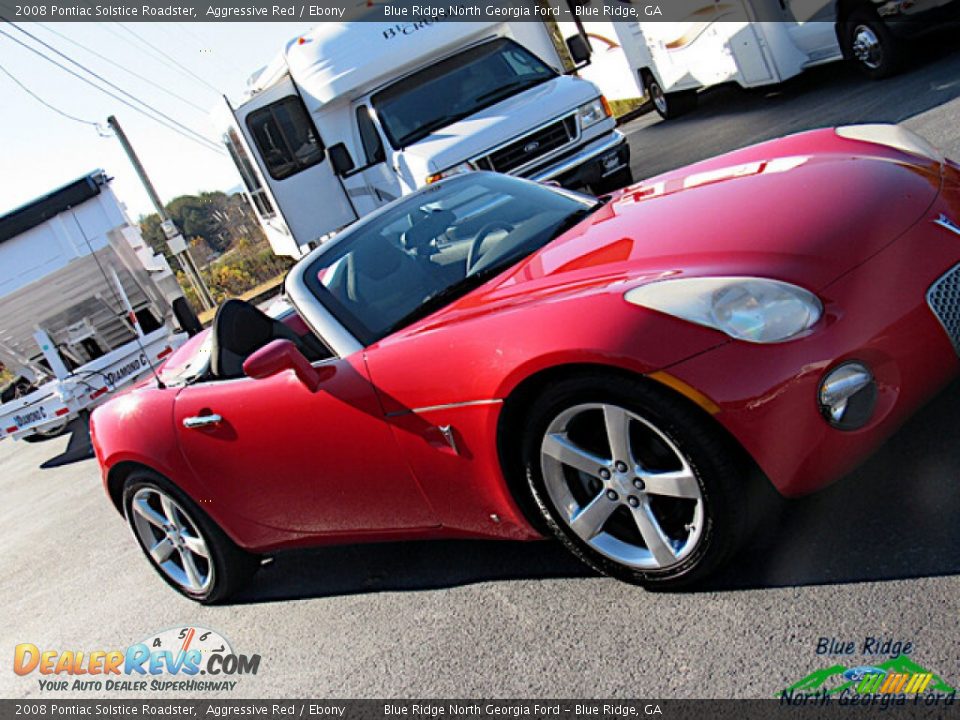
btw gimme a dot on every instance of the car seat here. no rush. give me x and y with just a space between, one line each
239 329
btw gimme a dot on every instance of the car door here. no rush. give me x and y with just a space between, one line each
284 456
378 181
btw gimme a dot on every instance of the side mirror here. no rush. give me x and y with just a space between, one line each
279 355
340 159
579 50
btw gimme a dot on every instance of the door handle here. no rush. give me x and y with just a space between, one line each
199 421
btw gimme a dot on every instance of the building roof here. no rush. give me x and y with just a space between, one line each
35 212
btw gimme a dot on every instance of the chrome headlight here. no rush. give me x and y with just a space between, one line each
593 112
756 310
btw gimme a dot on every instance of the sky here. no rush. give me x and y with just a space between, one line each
41 150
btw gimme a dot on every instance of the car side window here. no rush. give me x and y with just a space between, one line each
370 137
285 137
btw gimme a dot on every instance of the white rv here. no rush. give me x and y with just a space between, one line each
749 42
86 307
354 115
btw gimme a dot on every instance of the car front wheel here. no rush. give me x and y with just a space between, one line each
636 482
181 542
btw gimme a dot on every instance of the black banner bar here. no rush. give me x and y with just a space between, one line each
419 11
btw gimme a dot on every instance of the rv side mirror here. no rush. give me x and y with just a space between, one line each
340 158
579 50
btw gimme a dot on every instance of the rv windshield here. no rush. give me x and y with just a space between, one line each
419 254
455 88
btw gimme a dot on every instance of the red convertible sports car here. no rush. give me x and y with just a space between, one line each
492 358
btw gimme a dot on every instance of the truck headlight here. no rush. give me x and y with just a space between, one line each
593 112
756 310
463 167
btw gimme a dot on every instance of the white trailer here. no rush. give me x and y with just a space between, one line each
86 307
748 42
354 115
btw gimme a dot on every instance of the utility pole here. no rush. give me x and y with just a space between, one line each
175 241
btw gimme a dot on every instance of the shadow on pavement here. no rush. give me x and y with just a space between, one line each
391 567
79 447
894 518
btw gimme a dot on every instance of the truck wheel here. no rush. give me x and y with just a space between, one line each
871 46
669 105
50 433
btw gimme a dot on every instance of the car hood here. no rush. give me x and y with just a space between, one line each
806 220
501 122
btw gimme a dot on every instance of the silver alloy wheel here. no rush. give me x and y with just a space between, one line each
658 97
589 489
172 539
866 47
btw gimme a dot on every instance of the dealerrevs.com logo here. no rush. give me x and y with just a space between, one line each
178 659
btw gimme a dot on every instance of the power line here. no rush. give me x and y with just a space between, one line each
40 100
185 69
124 69
110 84
195 137
184 130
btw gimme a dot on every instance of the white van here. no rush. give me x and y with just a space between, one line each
354 115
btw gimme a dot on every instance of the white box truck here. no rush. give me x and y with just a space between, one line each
354 115
86 307
749 42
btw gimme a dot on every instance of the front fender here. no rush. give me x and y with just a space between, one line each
485 355
137 427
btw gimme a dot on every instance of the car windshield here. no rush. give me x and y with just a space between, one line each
421 253
455 88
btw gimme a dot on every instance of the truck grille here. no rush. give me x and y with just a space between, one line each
530 147
944 299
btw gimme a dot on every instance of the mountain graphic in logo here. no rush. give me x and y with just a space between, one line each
896 675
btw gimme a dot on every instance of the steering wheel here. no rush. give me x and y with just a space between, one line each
473 255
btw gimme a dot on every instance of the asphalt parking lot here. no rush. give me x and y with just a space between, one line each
875 556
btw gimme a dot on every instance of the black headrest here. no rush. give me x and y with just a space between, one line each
238 330
425 230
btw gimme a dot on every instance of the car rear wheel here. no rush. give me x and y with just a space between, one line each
184 546
669 104
871 46
636 482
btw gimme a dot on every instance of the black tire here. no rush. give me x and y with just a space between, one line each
39 437
669 105
620 179
229 567
870 46
728 486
